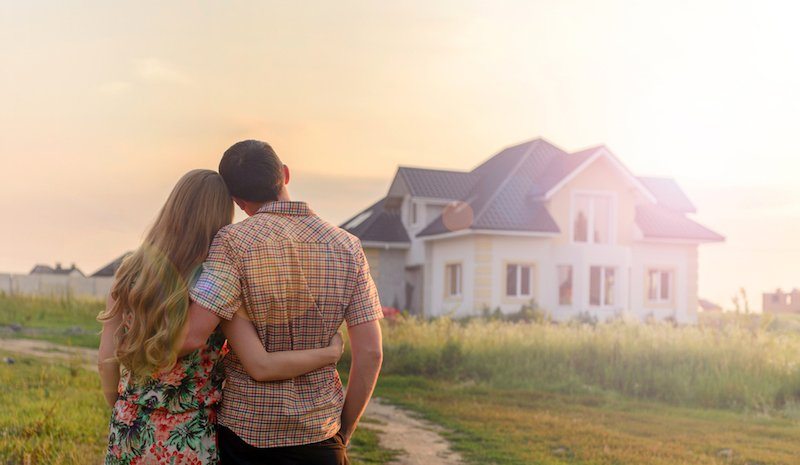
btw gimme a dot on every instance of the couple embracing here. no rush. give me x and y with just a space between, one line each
277 287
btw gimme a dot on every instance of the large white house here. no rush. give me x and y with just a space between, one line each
575 232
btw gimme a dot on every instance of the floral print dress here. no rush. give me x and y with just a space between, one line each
171 419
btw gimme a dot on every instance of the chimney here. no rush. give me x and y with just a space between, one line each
58 266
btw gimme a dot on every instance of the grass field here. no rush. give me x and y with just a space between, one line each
52 413
521 426
63 321
725 392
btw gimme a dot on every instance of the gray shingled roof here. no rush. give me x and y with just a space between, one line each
437 184
376 224
559 168
658 222
669 194
111 268
500 199
505 193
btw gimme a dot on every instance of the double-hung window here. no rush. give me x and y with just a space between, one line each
602 286
592 218
659 285
452 280
519 280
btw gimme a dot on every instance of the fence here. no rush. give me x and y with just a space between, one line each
45 285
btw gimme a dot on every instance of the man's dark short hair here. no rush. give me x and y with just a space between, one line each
252 171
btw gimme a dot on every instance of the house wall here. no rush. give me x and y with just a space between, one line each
45 285
600 175
682 260
443 252
427 211
781 302
546 255
387 267
484 259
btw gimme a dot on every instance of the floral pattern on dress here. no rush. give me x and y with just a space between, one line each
170 419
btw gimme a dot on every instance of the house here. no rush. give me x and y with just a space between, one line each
574 232
781 302
110 269
58 270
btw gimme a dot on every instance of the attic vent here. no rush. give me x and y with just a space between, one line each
358 220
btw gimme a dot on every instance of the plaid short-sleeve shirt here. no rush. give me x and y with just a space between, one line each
298 278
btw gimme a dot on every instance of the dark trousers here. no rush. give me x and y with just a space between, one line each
234 451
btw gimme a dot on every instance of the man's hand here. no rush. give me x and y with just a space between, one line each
367 353
336 348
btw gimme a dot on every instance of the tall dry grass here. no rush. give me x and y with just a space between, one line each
731 365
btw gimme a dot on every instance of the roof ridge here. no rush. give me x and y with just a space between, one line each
522 159
442 170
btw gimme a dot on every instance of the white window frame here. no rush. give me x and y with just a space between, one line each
518 285
612 226
615 291
458 268
670 285
572 285
416 213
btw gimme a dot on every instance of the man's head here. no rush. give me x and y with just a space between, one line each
254 174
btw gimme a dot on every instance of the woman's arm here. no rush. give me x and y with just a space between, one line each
107 364
273 366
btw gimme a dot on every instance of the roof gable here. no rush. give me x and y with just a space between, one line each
582 161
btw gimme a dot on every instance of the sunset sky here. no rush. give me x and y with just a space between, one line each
104 105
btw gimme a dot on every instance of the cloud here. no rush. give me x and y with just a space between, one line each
154 70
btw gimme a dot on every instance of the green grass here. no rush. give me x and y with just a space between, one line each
365 449
52 412
724 392
65 321
522 426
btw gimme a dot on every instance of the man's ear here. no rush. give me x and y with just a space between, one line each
241 203
286 175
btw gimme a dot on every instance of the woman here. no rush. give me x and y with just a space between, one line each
163 406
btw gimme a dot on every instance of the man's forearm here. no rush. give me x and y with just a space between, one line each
361 382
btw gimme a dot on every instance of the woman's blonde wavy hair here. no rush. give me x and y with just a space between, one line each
151 289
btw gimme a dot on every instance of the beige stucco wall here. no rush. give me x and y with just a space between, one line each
600 175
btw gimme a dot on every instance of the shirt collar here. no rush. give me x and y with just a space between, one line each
286 207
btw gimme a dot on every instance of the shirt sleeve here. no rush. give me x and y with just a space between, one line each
365 305
219 288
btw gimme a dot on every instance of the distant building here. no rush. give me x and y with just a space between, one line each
709 307
111 269
781 302
576 232
58 270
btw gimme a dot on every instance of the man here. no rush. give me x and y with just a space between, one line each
298 278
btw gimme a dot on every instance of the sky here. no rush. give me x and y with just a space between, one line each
104 105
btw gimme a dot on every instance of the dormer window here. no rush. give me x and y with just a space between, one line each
592 218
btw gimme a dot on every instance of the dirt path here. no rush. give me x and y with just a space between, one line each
420 441
87 358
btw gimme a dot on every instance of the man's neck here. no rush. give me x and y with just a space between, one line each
282 197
